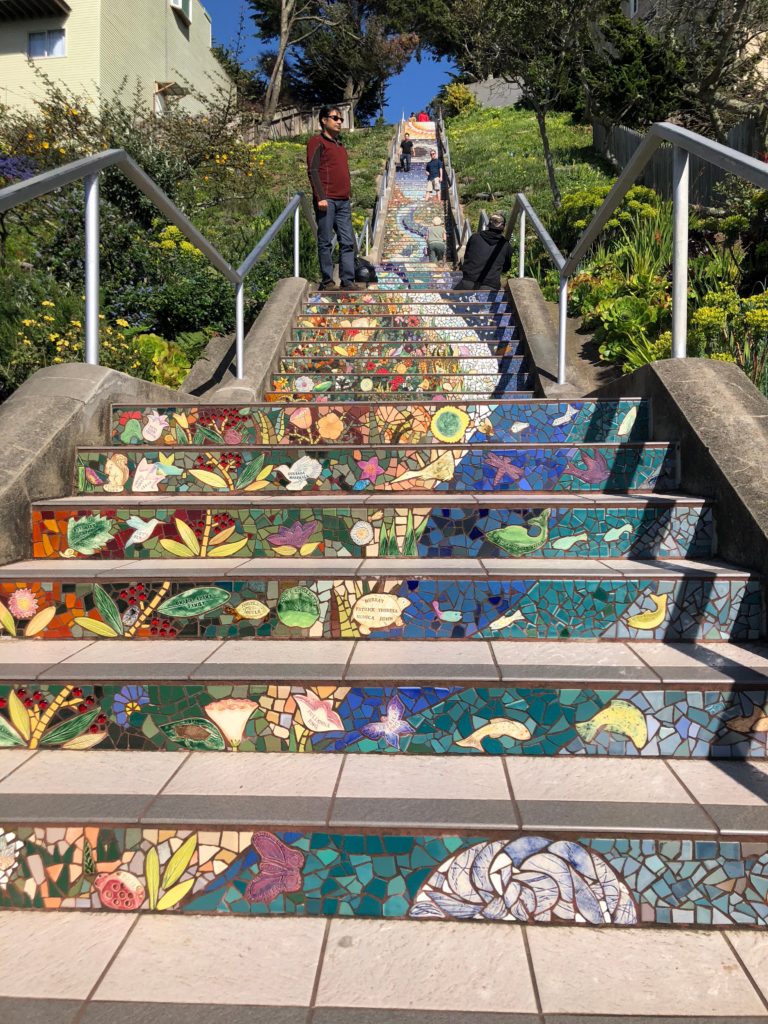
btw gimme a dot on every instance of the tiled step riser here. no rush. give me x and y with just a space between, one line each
396 350
457 306
366 338
339 470
503 605
397 395
599 880
628 722
413 322
292 387
369 423
465 365
155 531
379 295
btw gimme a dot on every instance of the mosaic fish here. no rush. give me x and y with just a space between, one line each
650 619
567 416
616 532
494 730
566 543
595 471
620 718
446 616
519 540
506 620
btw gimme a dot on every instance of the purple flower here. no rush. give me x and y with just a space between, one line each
15 168
295 536
391 726
127 702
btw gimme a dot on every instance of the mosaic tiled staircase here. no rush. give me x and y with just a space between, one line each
400 552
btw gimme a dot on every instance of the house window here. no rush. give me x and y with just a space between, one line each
47 44
183 8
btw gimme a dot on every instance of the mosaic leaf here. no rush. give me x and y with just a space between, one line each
71 728
187 535
152 876
215 480
96 626
89 863
193 603
9 737
6 620
193 734
175 895
203 434
19 716
107 608
250 472
180 861
85 742
89 534
40 621
225 550
176 548
219 538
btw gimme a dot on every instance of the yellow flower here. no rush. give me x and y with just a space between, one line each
49 319
29 323
48 303
45 145
30 135
75 323
449 424
122 323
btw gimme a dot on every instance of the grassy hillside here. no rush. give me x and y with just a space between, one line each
500 152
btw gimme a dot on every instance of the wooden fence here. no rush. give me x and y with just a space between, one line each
290 121
618 143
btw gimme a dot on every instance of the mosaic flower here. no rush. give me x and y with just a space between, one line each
279 869
301 418
449 424
318 714
9 855
22 604
529 879
330 427
120 890
366 384
294 537
231 717
155 425
303 384
127 702
391 726
361 532
370 469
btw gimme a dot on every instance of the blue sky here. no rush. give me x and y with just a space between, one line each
411 90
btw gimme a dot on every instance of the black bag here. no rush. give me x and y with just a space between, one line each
365 272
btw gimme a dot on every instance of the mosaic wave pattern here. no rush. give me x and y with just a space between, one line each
573 422
596 881
241 470
653 531
548 722
519 607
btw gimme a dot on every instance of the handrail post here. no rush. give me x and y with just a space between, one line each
521 250
239 329
562 330
367 237
296 229
91 183
681 180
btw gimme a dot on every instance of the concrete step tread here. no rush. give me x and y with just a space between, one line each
470 663
459 447
516 794
116 408
379 568
446 972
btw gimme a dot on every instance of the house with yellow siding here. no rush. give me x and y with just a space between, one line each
96 47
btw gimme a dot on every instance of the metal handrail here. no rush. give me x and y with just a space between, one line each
88 170
685 143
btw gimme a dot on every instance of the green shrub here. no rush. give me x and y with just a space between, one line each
728 325
456 98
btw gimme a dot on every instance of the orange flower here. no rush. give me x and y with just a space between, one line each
301 418
330 427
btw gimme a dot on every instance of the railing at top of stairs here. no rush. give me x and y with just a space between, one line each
684 144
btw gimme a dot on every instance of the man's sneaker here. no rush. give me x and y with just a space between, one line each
328 286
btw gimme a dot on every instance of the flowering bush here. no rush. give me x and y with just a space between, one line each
726 325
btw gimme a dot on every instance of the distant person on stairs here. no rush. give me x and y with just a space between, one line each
488 255
328 170
423 116
436 240
406 151
434 169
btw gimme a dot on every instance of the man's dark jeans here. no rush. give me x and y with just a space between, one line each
405 162
336 218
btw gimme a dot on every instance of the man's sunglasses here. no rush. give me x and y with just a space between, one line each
332 118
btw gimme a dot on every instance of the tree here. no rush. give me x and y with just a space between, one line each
354 59
292 23
724 44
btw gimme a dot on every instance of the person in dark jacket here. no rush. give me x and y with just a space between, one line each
328 170
487 256
406 150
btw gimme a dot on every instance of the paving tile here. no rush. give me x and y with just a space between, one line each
414 813
423 777
240 811
569 661
70 951
109 772
674 567
307 568
716 662
61 569
372 1015
422 661
226 960
65 808
38 1011
278 774
639 971
27 659
295 660
454 967
752 947
187 1013
10 760
545 567
135 660
416 568
725 782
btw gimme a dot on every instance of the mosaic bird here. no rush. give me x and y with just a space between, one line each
504 466
441 469
116 468
142 530
596 468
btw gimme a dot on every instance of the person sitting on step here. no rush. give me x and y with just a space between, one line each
436 240
487 256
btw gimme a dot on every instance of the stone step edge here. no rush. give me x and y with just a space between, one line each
400 446
233 569
264 406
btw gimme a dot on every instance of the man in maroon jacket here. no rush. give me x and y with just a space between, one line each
328 170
